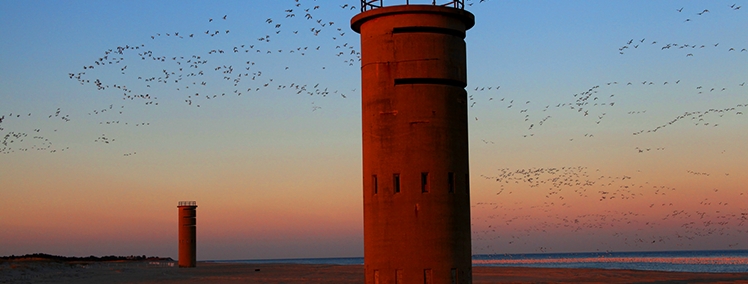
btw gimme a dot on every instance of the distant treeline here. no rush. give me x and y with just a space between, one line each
45 256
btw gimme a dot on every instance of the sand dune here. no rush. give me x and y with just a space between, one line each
167 272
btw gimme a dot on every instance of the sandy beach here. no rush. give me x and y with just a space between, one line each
206 272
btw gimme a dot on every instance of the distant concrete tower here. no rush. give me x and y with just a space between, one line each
415 142
187 233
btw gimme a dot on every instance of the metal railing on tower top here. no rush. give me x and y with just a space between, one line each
374 4
187 203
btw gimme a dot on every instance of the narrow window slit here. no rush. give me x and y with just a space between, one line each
396 182
424 182
427 277
433 30
431 81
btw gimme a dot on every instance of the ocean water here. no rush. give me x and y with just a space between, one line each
683 261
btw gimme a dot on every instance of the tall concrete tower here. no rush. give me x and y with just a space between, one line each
415 142
187 233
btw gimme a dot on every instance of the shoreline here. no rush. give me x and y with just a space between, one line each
40 271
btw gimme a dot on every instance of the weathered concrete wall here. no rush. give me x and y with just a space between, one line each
187 236
414 108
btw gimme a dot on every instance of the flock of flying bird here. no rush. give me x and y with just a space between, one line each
668 219
193 76
687 48
235 70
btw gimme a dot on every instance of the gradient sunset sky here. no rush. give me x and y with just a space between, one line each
594 126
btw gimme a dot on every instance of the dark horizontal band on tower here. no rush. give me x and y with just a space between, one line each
436 30
431 81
